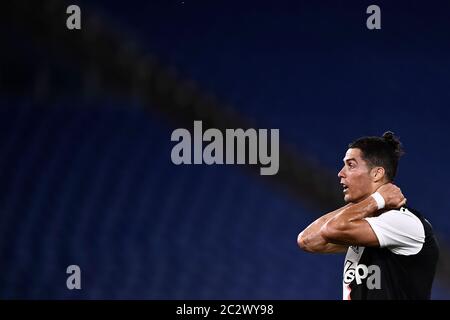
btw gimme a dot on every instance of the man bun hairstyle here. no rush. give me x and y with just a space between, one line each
394 142
384 151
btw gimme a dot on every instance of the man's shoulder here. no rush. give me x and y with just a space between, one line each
396 223
405 212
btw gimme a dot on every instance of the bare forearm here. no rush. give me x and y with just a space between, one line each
344 227
366 208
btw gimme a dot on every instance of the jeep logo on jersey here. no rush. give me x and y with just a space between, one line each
361 272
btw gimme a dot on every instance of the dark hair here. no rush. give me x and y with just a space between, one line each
382 151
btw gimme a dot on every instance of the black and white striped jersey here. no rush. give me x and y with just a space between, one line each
404 265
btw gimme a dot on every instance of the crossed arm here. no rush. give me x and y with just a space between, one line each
335 231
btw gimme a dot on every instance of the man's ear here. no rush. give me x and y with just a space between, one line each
377 174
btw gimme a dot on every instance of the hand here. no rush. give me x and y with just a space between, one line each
392 195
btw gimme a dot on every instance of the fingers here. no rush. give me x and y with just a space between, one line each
393 195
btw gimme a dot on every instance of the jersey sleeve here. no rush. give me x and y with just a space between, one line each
398 230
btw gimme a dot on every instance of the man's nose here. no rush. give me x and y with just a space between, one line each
341 173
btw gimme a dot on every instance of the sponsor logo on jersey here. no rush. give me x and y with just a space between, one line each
370 274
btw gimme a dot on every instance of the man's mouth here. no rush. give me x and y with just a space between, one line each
344 187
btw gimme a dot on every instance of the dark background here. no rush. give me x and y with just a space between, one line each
86 117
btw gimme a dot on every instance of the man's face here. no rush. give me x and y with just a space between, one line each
355 177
